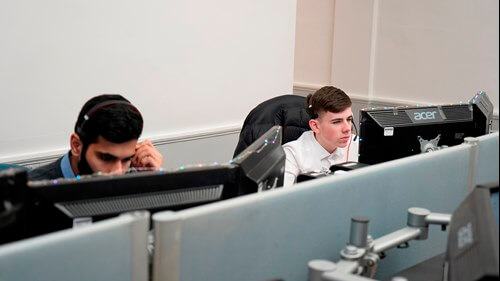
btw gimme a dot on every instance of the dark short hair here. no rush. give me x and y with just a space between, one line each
111 116
326 99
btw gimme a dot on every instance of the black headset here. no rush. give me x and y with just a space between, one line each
97 108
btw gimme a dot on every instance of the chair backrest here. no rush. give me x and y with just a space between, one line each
288 111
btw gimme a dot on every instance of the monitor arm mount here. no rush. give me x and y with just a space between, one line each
430 145
359 259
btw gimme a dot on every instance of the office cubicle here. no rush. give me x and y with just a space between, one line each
267 235
114 249
275 234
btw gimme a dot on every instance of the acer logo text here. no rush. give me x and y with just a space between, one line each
427 115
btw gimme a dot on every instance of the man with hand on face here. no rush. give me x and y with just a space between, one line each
330 140
105 140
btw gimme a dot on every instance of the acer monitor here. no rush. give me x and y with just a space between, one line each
391 133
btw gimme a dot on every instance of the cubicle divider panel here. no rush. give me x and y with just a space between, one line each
487 159
114 249
274 234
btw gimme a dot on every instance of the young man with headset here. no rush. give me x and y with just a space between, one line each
105 140
330 140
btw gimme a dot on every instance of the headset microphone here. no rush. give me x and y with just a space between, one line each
356 130
353 139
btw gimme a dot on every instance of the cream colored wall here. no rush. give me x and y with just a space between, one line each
399 51
313 42
436 51
325 32
352 46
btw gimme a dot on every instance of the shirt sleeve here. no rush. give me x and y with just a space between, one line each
291 168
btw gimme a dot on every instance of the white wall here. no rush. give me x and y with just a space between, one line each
404 51
190 66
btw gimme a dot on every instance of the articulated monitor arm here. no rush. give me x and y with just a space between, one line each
361 255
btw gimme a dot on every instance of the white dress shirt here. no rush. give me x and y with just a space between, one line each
306 155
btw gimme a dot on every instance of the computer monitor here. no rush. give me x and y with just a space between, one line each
472 250
396 132
262 164
63 203
12 203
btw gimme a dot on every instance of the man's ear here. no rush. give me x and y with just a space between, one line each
76 145
313 123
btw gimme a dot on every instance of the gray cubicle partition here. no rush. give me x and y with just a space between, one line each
487 159
274 234
114 249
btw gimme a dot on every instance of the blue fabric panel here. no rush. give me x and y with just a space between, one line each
487 160
275 234
102 251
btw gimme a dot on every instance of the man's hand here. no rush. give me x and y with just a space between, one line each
147 156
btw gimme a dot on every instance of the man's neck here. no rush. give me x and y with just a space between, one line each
74 164
324 145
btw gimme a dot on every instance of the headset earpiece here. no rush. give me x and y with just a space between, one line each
311 112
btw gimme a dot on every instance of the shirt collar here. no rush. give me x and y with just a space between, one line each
66 167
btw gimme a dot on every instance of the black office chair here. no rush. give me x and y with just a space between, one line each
288 111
